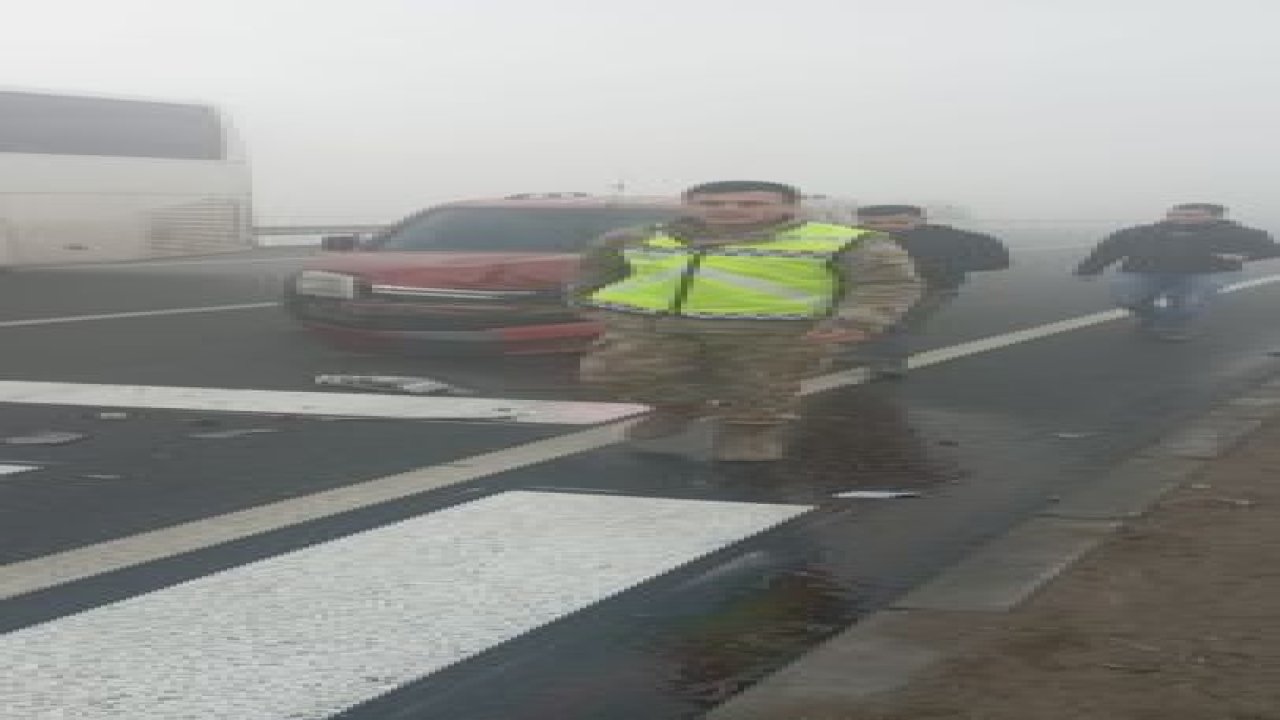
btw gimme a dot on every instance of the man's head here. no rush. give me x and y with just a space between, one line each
891 218
1194 214
740 203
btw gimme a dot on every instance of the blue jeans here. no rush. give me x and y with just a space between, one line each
1167 301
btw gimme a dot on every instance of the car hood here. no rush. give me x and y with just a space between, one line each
462 270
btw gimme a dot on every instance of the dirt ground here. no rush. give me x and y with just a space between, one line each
1177 618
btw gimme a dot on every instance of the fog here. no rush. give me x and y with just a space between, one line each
359 112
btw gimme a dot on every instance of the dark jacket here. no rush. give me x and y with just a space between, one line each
1180 249
944 255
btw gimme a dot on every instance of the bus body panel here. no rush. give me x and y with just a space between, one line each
59 207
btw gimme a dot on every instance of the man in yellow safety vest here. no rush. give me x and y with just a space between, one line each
725 310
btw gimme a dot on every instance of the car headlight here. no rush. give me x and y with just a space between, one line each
320 283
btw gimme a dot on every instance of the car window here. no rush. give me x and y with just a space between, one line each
513 229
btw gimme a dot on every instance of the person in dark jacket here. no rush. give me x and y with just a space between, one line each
1171 270
943 258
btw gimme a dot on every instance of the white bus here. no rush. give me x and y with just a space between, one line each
87 178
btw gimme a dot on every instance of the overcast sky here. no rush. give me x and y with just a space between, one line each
365 110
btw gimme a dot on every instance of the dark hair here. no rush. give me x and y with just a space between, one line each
1212 208
721 187
882 210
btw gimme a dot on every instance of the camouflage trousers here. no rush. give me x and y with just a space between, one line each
749 377
895 344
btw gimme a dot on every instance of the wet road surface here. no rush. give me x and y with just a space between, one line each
644 586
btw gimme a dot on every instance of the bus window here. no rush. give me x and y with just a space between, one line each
61 125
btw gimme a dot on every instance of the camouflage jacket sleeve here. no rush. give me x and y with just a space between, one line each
879 283
602 263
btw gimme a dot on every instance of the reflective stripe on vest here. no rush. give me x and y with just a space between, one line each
788 277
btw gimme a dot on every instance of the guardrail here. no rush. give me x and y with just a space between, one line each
276 230
270 230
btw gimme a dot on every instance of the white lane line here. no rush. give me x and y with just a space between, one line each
15 469
92 267
856 376
310 633
1047 248
52 570
34 322
60 568
136 314
941 355
328 404
1255 282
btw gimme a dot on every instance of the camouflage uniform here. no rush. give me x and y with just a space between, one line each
750 377
750 368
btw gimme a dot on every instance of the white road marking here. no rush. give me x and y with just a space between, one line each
136 314
325 404
974 347
60 568
310 633
878 494
997 342
856 376
130 265
72 565
15 469
91 267
246 306
1047 248
1255 282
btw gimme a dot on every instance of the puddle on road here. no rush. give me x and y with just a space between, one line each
709 658
700 646
867 438
694 643
858 440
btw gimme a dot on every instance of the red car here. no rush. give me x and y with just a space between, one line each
479 275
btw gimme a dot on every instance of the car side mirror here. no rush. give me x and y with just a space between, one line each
339 243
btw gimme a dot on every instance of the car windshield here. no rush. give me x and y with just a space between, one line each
553 230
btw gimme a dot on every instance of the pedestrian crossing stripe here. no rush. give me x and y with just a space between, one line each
324 404
308 634
6 469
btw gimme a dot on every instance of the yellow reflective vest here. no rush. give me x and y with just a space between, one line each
788 277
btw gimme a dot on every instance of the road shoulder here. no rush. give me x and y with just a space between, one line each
1152 593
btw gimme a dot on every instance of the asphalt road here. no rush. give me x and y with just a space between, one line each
522 569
